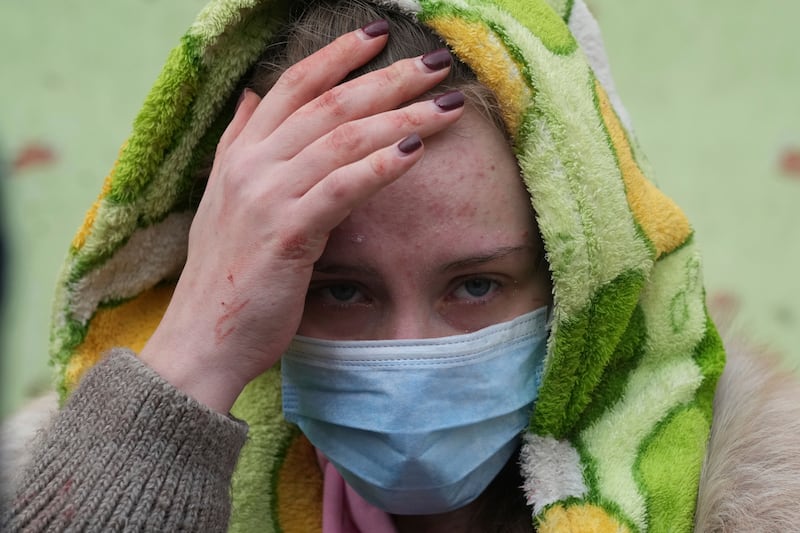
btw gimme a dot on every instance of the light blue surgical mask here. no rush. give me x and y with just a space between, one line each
418 426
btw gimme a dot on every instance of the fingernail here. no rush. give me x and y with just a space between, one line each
437 59
449 100
376 28
410 144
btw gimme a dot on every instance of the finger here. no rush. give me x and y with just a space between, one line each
307 79
248 102
372 93
330 201
355 140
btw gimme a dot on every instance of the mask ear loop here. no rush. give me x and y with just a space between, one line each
550 317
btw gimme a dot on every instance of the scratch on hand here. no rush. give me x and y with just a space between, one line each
222 329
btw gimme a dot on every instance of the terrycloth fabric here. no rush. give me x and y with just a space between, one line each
618 433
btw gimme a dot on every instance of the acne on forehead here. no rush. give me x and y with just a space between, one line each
357 238
467 182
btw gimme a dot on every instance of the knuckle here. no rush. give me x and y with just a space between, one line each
337 189
345 138
333 102
393 75
406 118
294 75
379 166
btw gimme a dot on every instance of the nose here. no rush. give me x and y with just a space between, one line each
411 323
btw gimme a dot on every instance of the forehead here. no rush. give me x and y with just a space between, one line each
467 182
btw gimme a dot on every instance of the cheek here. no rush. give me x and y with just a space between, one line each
323 321
509 302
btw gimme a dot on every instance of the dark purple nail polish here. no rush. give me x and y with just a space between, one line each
376 28
410 144
437 59
449 100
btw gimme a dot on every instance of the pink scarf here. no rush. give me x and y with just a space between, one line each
343 510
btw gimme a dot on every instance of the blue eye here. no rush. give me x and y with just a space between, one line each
343 293
478 287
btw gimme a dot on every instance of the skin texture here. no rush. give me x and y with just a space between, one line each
449 248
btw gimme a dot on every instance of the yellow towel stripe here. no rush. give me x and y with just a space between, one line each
583 518
659 217
300 488
91 215
477 46
127 325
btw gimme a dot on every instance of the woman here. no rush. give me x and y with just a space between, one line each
426 371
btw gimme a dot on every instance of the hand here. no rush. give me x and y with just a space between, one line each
288 169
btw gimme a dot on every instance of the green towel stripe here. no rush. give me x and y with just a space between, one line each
63 341
112 228
566 146
594 495
255 477
609 315
545 23
192 183
219 81
710 356
158 122
562 7
614 440
668 469
625 358
565 391
218 18
667 376
674 305
155 197
155 128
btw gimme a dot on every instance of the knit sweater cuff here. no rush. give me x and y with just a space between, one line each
131 451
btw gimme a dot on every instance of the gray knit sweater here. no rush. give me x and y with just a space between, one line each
129 452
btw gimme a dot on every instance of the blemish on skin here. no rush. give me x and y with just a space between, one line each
220 330
467 210
295 247
358 238
230 278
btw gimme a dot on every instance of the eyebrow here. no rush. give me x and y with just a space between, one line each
488 257
334 268
342 269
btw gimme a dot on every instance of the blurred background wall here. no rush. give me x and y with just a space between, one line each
712 88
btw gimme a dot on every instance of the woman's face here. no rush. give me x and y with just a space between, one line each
449 248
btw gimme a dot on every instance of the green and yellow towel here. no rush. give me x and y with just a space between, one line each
619 431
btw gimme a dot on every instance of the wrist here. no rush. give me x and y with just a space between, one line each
215 387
